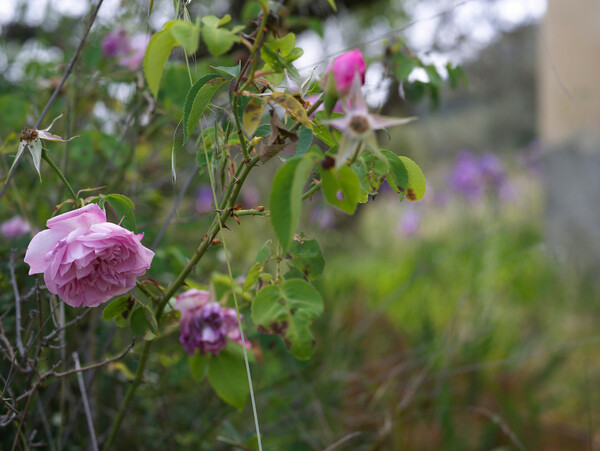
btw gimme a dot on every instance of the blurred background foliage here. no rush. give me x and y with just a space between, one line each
448 323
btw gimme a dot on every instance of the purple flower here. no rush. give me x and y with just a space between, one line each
204 324
409 223
86 260
115 43
323 217
466 176
473 175
204 200
129 51
14 228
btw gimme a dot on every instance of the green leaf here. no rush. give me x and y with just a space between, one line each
289 310
305 137
157 53
406 176
404 66
306 256
227 376
434 77
285 200
252 276
218 40
123 207
138 323
152 322
264 253
198 366
332 4
187 35
456 75
341 188
282 46
117 307
229 72
198 98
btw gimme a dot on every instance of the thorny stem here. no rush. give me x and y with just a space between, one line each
58 88
171 290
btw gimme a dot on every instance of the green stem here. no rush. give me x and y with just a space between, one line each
316 187
146 291
170 291
252 212
137 380
61 176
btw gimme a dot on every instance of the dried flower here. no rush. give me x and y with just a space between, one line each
359 126
204 324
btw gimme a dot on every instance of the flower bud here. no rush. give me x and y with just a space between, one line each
340 74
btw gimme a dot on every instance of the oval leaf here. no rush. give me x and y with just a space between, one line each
289 310
227 376
285 200
341 188
156 56
407 177
198 98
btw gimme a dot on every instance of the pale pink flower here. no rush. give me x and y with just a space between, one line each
204 324
135 56
129 51
14 228
85 259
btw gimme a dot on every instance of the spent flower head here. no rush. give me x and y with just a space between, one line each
358 126
31 138
205 325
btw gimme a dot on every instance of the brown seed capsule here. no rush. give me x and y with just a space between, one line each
260 208
359 124
328 162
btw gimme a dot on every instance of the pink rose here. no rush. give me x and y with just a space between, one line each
14 227
344 68
86 260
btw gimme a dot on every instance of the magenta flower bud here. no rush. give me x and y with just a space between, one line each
14 228
339 76
85 259
204 324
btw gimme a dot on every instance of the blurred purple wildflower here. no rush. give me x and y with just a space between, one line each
204 324
472 175
129 51
14 228
323 217
409 223
204 200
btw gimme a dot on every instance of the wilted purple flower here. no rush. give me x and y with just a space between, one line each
409 223
14 227
204 200
129 51
204 324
